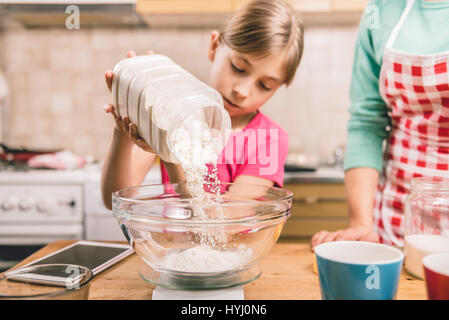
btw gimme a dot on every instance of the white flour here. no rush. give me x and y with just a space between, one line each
195 145
205 259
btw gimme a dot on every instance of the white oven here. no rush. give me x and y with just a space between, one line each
100 223
36 208
41 206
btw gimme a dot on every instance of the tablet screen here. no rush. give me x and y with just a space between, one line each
89 256
95 256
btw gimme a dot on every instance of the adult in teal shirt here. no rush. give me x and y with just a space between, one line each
399 125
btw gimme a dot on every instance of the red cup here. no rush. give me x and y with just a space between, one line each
436 274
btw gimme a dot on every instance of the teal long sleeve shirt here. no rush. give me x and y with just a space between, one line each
425 31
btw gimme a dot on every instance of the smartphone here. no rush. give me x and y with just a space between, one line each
97 256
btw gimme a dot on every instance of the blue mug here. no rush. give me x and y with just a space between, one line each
358 270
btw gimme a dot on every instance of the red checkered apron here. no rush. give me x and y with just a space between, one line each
416 90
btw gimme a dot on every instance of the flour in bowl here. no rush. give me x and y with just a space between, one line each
205 259
195 145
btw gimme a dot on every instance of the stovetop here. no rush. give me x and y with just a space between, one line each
20 172
14 166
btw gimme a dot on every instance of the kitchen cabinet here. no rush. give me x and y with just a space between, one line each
184 13
348 5
316 206
324 6
299 5
207 13
184 6
214 6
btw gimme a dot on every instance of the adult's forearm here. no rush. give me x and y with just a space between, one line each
361 185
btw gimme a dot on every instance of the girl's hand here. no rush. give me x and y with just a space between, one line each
357 233
123 125
129 129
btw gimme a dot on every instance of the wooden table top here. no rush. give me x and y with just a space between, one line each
287 274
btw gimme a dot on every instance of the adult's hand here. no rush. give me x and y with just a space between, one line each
356 233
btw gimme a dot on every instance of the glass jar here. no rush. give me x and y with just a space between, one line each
164 101
426 222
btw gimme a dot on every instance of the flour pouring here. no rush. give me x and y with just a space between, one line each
188 125
213 217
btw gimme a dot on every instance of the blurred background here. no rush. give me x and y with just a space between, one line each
54 133
56 82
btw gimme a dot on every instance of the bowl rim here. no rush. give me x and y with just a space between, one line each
322 246
192 222
427 263
27 268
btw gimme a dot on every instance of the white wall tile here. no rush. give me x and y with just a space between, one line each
61 104
57 80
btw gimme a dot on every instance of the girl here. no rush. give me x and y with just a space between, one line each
258 50
399 93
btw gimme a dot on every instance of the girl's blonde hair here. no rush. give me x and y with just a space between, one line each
263 27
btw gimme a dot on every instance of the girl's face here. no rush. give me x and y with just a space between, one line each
245 82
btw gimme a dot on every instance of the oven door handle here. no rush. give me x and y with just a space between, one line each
38 234
36 230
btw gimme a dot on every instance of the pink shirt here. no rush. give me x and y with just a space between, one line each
259 150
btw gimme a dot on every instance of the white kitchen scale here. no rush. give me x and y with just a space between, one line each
186 286
234 293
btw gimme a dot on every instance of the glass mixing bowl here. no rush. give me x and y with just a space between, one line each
187 244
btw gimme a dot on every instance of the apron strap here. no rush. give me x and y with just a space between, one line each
398 26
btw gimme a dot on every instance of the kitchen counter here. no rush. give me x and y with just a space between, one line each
322 174
287 274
